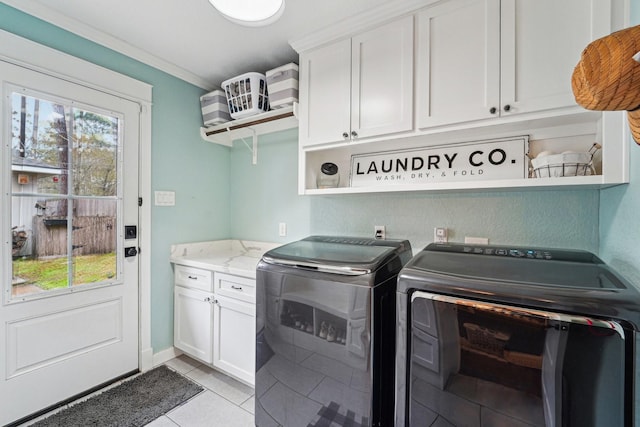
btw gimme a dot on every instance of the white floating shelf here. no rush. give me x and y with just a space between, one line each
248 127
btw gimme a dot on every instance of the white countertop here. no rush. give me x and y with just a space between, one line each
238 257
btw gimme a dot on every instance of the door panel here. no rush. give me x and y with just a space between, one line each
382 80
69 313
325 104
234 333
193 329
44 340
540 49
458 53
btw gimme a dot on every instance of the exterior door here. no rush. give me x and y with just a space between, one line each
69 309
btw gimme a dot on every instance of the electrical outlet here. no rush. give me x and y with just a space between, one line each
440 235
379 231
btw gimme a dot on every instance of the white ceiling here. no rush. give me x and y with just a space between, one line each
189 38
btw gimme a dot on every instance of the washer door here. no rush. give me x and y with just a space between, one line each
478 363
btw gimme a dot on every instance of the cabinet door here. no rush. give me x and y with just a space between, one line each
193 317
325 90
234 338
541 44
382 80
458 71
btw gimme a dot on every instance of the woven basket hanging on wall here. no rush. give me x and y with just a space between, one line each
607 76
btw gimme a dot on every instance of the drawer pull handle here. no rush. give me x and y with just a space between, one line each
237 288
193 277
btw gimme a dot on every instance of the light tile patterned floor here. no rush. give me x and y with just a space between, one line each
225 402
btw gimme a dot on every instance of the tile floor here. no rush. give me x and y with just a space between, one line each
224 402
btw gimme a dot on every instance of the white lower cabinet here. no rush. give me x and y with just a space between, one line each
234 337
214 320
193 323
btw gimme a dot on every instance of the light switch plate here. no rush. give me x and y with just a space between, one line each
165 198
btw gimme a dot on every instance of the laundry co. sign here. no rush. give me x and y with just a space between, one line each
480 160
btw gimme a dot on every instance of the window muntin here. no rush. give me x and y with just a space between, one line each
65 194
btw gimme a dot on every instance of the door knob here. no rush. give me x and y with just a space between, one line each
130 251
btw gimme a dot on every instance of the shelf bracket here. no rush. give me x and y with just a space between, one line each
254 148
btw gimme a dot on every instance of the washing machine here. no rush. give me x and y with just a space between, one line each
325 332
514 336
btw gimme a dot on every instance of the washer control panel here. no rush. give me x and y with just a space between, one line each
517 252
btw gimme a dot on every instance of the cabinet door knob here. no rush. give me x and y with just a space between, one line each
354 133
507 107
207 299
345 135
493 110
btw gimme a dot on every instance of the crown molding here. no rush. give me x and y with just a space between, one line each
25 53
364 21
46 14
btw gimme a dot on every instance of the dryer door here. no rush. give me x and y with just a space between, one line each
478 363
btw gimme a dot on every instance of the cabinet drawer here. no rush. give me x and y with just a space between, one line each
235 287
196 278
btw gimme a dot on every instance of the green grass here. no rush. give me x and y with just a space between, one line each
52 273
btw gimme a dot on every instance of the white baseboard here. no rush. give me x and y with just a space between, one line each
146 359
165 355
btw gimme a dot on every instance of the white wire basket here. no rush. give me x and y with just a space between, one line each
246 95
564 164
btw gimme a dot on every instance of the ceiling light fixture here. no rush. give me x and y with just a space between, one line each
252 13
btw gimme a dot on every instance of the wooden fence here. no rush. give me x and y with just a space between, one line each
91 235
81 207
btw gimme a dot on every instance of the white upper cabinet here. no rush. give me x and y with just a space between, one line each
325 94
421 74
360 87
478 59
458 70
540 45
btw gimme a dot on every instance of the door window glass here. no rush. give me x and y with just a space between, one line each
65 195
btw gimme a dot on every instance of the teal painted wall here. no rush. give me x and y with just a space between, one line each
620 210
181 161
265 194
566 219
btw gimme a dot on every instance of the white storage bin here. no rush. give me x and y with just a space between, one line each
283 85
246 95
214 108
